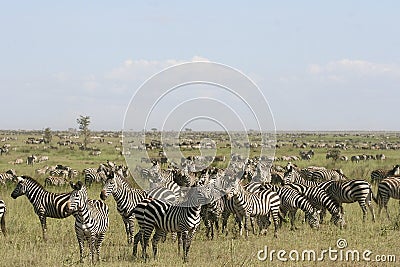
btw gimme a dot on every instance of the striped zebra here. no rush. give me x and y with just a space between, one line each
380 174
349 192
45 203
8 176
321 200
248 205
92 175
164 217
3 211
55 180
126 198
91 220
321 174
291 201
213 211
168 191
59 173
387 188
292 176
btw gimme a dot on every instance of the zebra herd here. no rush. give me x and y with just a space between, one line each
179 199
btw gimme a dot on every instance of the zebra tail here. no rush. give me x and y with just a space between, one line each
372 195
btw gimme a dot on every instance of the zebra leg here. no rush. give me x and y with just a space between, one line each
3 224
81 239
92 241
225 217
99 241
252 225
156 237
138 238
129 225
246 226
275 217
179 234
42 219
292 216
186 244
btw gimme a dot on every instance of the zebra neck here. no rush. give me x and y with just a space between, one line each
35 193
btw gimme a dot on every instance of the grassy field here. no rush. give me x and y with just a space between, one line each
24 245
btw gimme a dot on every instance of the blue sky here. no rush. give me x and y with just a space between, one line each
321 65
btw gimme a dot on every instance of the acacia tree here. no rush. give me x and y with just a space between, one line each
47 136
83 122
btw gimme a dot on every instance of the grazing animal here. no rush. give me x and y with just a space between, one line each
93 175
164 217
3 211
126 198
321 200
8 176
247 204
380 174
91 220
387 188
45 203
349 192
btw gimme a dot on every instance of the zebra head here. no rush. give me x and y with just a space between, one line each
338 220
20 189
290 175
313 219
110 186
77 198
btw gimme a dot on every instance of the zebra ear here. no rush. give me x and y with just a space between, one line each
79 185
72 185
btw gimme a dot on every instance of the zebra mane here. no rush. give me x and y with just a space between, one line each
33 181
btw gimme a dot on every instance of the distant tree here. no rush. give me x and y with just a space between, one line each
47 135
83 122
154 129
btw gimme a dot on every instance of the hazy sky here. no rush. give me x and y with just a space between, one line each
321 65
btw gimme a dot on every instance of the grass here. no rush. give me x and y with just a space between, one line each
24 245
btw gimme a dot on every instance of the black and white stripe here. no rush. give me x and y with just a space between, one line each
164 217
321 200
248 205
380 174
321 174
91 220
8 176
3 211
349 192
92 175
387 188
45 203
55 180
126 198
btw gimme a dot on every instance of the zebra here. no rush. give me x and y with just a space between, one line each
320 175
387 188
291 201
55 180
126 198
7 176
350 192
248 205
321 200
91 220
3 211
92 175
379 175
168 191
45 203
165 217
293 176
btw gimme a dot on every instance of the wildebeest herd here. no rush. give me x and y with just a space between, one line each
257 193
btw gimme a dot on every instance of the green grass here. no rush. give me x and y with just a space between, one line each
24 245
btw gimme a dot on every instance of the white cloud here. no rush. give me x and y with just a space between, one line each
345 67
141 69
